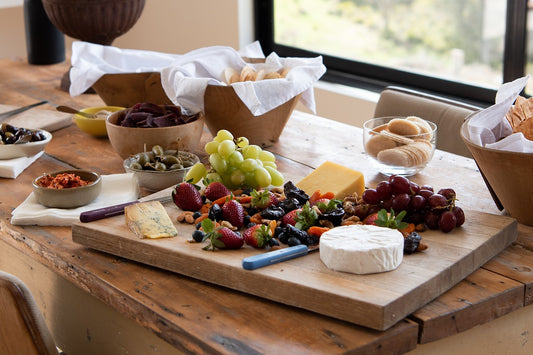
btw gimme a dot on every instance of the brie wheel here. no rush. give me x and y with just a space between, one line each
362 249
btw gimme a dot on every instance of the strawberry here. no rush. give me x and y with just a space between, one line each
221 237
257 236
263 199
290 217
216 190
233 212
187 197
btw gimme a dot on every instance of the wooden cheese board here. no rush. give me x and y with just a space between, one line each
377 301
38 119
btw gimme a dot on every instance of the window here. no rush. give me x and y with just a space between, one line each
456 48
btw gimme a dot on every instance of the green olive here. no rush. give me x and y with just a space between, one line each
158 150
135 165
142 158
170 159
176 166
160 166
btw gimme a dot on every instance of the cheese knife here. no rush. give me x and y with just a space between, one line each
16 111
115 210
276 256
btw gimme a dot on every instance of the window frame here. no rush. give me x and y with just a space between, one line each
375 77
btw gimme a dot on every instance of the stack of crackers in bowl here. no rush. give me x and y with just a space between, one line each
400 145
520 117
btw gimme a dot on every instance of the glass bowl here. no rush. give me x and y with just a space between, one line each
399 145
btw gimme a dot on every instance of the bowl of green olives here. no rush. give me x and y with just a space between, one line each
158 168
17 142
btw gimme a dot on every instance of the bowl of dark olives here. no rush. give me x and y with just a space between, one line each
147 124
159 168
17 142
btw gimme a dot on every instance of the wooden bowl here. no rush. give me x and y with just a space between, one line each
508 175
128 141
225 110
127 89
96 21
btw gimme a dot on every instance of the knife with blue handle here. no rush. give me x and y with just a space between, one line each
276 256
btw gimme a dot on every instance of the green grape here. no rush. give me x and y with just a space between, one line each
226 180
237 177
242 142
262 177
276 176
270 163
265 155
249 180
212 177
248 165
226 148
196 173
223 135
218 163
235 159
251 151
259 162
211 147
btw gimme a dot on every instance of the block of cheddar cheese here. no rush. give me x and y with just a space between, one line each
333 177
149 220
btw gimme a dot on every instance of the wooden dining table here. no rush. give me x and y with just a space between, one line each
98 303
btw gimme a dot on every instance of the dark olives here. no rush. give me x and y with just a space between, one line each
14 135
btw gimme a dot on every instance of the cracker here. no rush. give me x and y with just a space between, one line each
377 143
394 156
403 127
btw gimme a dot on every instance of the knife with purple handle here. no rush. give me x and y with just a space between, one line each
115 210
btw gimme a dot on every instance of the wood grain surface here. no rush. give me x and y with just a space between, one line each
37 118
199 317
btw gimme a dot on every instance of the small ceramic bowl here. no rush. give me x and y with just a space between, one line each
154 180
70 197
18 150
399 145
95 126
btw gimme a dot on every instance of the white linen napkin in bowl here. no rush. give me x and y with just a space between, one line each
490 129
185 77
11 168
116 189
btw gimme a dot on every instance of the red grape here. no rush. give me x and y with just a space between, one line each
448 193
384 190
370 196
426 187
425 193
432 219
413 186
400 202
437 200
418 202
399 184
387 204
459 215
447 221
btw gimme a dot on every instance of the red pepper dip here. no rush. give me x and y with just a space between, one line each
62 181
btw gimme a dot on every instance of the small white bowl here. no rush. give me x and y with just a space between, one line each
12 151
154 180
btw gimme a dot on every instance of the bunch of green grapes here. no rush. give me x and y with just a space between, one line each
236 163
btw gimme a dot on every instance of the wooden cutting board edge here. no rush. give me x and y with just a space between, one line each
240 279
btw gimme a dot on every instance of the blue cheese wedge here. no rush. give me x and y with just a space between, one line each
149 220
361 249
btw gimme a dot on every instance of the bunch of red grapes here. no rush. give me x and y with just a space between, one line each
437 210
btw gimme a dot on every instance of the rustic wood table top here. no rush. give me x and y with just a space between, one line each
204 317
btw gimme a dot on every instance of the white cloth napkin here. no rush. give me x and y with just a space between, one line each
185 77
11 168
116 189
489 128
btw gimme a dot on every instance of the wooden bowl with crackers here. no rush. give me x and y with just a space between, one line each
399 145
